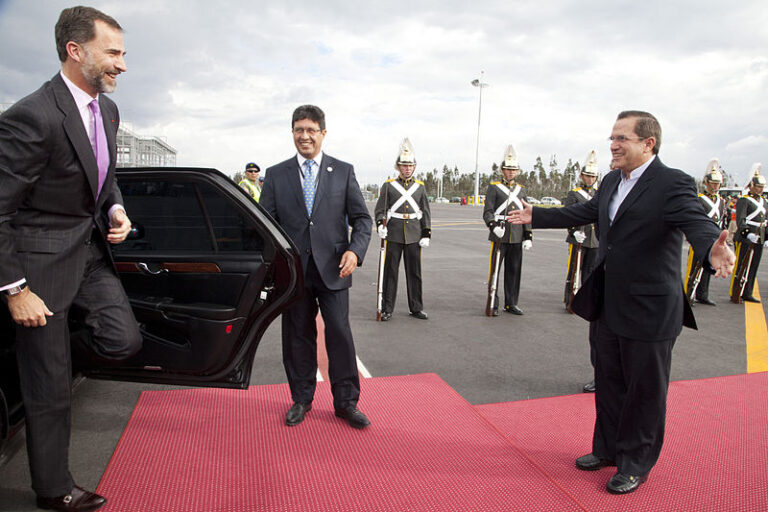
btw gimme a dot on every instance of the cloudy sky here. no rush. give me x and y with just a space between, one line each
219 80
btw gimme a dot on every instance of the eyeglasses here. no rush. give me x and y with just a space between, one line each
622 139
309 131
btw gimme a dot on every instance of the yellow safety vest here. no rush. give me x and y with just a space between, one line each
252 189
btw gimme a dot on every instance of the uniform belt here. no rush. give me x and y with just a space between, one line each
406 216
754 223
501 217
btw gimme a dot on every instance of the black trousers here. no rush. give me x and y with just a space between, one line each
300 342
512 257
632 379
411 255
44 358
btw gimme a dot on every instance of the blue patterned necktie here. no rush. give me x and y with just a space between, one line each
309 186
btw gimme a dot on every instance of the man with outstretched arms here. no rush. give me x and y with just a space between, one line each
749 240
697 283
507 240
634 297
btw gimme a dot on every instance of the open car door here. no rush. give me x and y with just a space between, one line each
206 271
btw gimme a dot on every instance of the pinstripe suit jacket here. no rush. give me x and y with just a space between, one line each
48 190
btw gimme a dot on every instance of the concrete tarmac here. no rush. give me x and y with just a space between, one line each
542 353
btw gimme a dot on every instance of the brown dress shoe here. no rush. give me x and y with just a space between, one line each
78 500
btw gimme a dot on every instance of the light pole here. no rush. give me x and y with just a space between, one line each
480 84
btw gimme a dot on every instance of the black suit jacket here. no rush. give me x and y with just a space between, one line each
48 182
637 285
338 206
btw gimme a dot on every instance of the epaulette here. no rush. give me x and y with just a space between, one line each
495 182
390 180
419 182
575 189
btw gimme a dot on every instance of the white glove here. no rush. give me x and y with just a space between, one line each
498 231
527 244
424 242
752 237
382 231
580 236
765 244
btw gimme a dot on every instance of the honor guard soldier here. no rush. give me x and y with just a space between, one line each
404 225
507 240
697 284
750 239
251 182
582 240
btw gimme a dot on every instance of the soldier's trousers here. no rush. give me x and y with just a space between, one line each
411 255
512 257
588 260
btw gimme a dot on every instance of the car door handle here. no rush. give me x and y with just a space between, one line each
146 270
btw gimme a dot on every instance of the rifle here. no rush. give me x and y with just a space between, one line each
740 279
493 278
693 281
575 278
382 257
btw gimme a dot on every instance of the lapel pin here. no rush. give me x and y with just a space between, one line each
329 169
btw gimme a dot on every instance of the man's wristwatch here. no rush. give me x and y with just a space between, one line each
14 290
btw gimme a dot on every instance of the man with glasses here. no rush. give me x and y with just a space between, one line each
403 220
251 182
634 297
316 199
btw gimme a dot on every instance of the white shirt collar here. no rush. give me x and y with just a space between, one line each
318 158
636 173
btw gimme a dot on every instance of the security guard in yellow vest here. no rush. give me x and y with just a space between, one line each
403 219
749 240
697 283
582 240
502 197
251 182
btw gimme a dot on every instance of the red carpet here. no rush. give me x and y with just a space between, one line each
715 457
224 450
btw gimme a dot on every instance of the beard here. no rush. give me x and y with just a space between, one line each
95 76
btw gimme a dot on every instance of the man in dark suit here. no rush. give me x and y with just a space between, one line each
635 295
59 202
316 198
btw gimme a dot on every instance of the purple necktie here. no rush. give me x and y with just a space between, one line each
99 144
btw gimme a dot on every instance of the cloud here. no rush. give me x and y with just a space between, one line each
219 80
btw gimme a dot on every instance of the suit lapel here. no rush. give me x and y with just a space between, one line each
322 171
640 187
73 127
293 172
606 191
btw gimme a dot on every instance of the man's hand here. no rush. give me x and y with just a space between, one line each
721 256
28 309
527 244
119 226
348 264
424 242
752 237
580 236
524 216
382 229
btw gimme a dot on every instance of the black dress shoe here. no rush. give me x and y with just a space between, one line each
513 309
707 302
354 417
589 387
295 414
749 298
419 314
623 484
78 500
590 462
386 316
